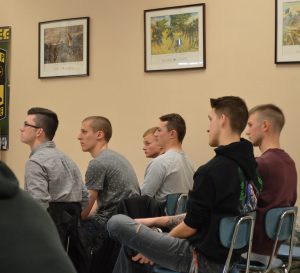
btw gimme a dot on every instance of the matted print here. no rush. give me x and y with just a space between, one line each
287 31
64 48
175 38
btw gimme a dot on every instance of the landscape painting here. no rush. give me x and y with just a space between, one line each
287 31
175 38
291 23
174 33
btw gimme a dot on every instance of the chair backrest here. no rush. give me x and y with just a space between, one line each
236 233
280 226
176 203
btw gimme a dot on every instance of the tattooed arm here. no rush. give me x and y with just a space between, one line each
163 221
175 220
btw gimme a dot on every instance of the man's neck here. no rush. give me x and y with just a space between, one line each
174 146
36 144
226 139
98 149
269 143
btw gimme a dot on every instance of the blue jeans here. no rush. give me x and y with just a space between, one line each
164 250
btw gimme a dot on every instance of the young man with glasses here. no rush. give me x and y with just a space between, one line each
52 178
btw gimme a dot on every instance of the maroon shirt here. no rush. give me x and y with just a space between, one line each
279 176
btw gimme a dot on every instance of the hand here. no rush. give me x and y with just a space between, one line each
142 259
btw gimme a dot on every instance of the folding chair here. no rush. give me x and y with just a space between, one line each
279 226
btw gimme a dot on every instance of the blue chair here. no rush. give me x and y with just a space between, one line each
284 250
176 203
236 233
279 226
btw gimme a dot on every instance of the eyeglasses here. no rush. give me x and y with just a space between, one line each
31 125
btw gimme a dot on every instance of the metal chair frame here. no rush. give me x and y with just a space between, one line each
285 230
279 226
237 233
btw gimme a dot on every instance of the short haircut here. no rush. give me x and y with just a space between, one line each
272 113
150 131
234 108
99 123
45 119
177 123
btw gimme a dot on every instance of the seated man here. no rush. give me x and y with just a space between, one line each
215 194
277 170
145 206
110 178
52 178
29 240
151 146
171 172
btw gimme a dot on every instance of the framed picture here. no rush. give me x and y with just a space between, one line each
287 31
64 48
175 38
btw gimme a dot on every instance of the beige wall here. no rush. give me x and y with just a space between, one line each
240 61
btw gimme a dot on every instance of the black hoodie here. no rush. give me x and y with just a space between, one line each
29 240
215 194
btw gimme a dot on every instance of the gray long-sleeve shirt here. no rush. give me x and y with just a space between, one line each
50 176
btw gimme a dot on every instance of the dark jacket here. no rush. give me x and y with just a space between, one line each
29 240
216 194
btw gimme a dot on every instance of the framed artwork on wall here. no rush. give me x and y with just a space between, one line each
287 31
175 38
64 48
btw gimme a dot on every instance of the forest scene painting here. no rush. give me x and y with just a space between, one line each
291 23
176 33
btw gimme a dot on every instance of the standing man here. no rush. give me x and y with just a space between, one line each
215 194
277 169
110 177
171 172
52 178
151 146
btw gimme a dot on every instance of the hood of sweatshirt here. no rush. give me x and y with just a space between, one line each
242 153
9 185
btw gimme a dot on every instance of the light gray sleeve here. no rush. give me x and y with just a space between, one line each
36 183
154 178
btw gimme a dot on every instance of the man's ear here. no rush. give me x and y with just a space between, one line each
40 132
173 134
266 125
100 134
223 119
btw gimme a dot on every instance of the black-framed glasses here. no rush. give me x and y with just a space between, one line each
31 125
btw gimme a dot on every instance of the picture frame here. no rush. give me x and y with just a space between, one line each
64 48
287 31
174 38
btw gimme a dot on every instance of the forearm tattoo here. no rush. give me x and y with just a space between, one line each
175 220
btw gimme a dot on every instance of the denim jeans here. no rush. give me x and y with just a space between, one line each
164 250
